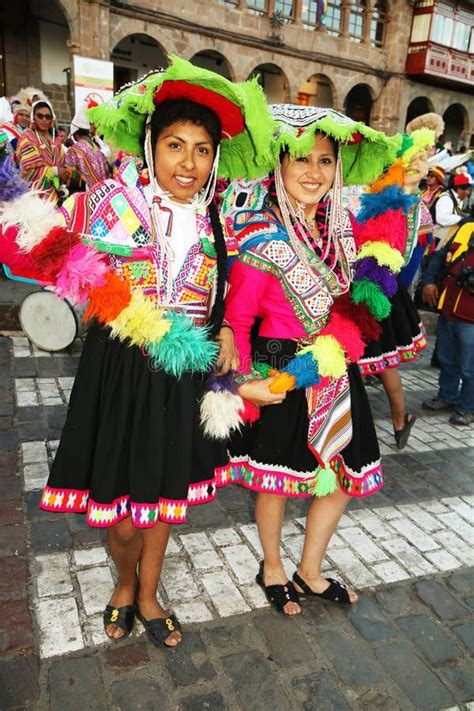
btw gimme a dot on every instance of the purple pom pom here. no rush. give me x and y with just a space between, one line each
11 184
368 268
222 383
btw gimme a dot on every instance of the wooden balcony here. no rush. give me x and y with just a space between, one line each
433 61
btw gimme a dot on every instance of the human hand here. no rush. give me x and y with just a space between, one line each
416 170
228 358
258 392
430 294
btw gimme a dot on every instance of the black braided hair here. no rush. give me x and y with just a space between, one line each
217 314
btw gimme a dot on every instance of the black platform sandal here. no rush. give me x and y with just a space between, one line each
336 592
159 629
401 436
277 595
122 617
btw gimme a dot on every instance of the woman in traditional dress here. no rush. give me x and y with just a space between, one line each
132 455
316 298
40 154
84 158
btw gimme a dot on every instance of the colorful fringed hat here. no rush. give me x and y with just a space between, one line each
365 152
242 109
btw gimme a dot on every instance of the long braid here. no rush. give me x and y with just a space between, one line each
217 313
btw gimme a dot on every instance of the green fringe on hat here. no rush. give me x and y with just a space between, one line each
122 119
362 162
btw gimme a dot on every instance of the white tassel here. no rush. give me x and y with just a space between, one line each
33 216
220 414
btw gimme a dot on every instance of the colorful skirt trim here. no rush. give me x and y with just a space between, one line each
268 479
143 515
402 354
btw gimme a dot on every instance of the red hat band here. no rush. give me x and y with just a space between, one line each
229 114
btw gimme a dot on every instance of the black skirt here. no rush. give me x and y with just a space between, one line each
403 336
132 443
273 455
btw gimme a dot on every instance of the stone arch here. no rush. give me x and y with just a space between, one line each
273 81
456 119
215 61
417 107
358 103
317 90
69 8
135 55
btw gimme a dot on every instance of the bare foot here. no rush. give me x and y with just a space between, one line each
320 584
123 595
279 577
151 610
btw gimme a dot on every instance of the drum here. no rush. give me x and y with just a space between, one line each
50 322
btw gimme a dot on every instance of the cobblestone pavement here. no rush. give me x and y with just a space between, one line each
408 550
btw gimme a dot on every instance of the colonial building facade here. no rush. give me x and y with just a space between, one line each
383 61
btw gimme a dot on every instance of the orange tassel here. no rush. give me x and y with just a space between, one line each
393 176
108 300
283 383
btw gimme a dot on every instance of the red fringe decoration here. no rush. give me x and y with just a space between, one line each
347 333
389 227
107 301
250 413
359 314
50 254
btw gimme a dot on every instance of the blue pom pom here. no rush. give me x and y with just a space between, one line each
392 198
304 369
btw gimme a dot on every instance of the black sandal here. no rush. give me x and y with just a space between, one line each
277 595
336 592
159 629
122 617
401 436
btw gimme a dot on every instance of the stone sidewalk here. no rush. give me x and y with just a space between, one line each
407 644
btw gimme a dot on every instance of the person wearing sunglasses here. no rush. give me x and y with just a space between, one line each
41 155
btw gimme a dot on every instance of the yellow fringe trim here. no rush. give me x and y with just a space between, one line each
385 255
329 355
423 138
140 321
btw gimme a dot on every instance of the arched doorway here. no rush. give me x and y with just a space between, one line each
134 56
419 106
43 63
456 125
273 81
216 62
358 103
316 91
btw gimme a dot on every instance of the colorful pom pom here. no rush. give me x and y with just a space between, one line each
108 300
393 176
305 370
283 383
220 413
249 413
50 254
140 322
383 253
82 270
392 198
347 335
329 355
372 296
369 268
325 482
358 313
391 227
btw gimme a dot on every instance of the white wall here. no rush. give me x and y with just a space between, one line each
54 53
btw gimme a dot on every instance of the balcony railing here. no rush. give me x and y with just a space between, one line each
429 59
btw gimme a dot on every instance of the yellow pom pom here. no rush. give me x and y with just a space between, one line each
282 383
423 138
140 321
329 355
385 255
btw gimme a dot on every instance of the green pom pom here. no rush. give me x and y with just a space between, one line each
185 347
369 293
325 482
262 368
